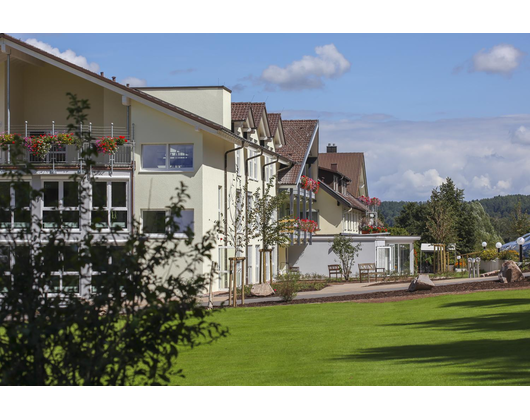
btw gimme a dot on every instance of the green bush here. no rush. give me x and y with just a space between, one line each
489 255
288 288
509 255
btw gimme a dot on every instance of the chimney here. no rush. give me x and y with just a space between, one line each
113 78
102 74
332 148
334 167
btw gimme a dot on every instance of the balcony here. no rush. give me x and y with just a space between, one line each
70 155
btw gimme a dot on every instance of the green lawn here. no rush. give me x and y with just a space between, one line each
474 339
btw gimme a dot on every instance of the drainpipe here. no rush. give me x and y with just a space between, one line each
9 92
226 216
246 219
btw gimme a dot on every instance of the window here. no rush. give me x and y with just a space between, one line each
167 157
154 222
60 204
109 205
102 260
15 201
65 273
252 165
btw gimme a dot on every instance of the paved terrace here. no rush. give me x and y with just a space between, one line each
349 289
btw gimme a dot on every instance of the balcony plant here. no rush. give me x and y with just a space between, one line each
366 229
39 146
109 145
307 225
67 138
8 139
309 184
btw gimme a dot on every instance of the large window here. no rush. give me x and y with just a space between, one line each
154 222
15 201
109 205
65 273
61 204
167 157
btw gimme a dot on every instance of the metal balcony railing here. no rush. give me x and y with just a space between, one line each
71 155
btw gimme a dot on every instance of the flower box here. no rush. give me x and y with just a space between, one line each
307 225
109 145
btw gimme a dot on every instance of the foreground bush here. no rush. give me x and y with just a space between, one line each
288 288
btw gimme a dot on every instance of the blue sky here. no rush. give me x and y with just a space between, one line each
421 106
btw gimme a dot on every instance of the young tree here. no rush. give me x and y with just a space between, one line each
441 219
519 221
346 251
131 320
264 221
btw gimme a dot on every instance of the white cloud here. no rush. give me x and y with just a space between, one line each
501 59
309 72
521 135
405 160
134 81
67 55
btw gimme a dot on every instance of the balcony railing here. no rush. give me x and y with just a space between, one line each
66 155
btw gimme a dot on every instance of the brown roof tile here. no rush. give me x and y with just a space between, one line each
257 112
274 122
349 164
240 111
298 135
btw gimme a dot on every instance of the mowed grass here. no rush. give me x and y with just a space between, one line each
473 339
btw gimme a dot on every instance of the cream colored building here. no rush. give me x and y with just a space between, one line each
173 135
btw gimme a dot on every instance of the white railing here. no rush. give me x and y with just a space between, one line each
71 155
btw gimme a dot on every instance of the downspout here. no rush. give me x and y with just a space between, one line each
225 221
8 93
246 220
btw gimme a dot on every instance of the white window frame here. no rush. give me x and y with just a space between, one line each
237 161
109 208
62 273
167 168
178 235
12 207
60 208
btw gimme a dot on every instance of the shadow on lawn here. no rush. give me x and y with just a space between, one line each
482 359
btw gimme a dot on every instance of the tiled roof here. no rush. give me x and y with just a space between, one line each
349 164
347 199
257 112
274 122
240 111
298 135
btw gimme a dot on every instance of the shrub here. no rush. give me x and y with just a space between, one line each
288 288
509 255
489 255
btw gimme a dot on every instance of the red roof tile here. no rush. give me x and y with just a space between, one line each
240 111
349 164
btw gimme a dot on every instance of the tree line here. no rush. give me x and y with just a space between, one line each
445 218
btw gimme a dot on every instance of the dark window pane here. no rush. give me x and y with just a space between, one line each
181 156
71 194
5 197
55 284
5 219
154 221
118 219
71 284
154 157
22 194
51 194
100 258
71 219
22 218
51 219
99 219
119 194
99 194
70 258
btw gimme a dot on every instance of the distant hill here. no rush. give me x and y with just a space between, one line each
498 208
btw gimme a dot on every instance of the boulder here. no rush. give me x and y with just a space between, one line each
263 289
511 272
423 282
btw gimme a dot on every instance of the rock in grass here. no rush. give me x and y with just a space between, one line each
423 282
263 289
511 272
